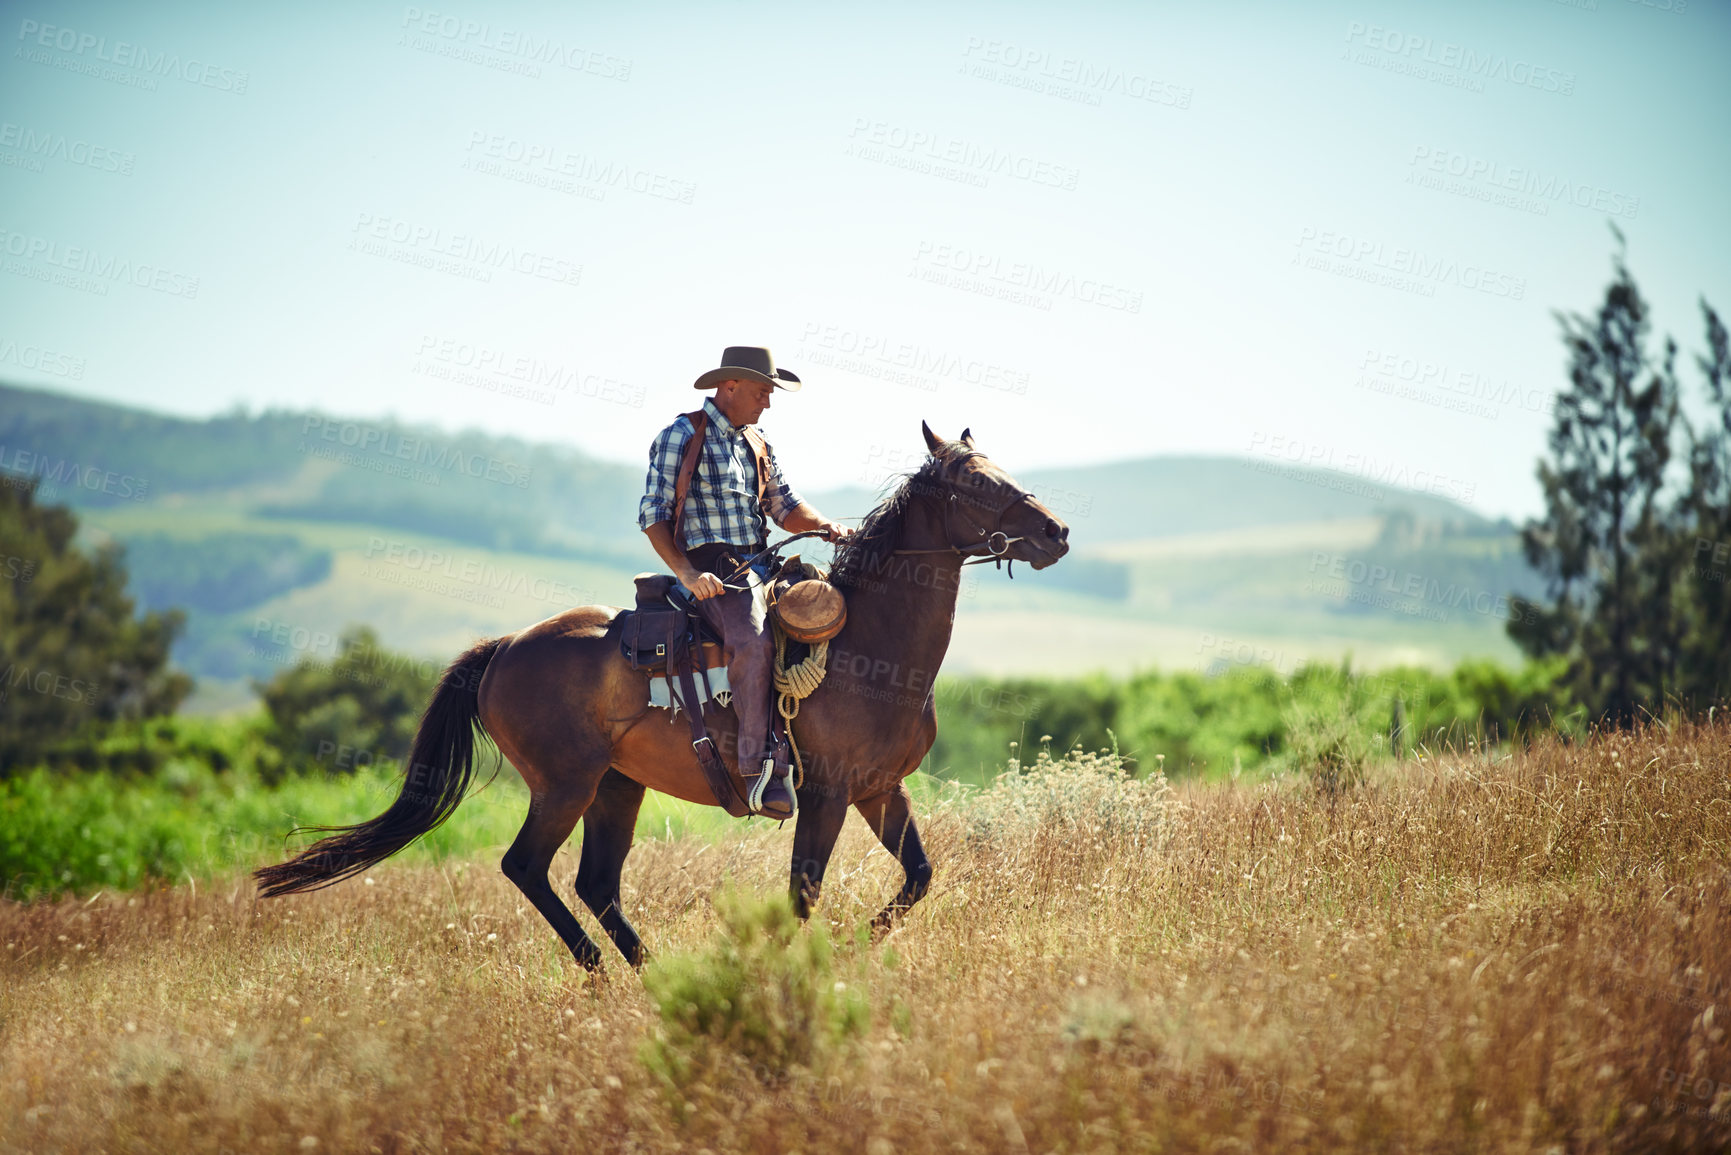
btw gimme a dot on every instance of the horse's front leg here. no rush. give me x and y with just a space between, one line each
814 833
891 817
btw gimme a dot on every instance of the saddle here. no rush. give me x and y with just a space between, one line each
667 636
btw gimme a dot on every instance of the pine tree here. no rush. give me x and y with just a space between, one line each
1607 540
1706 538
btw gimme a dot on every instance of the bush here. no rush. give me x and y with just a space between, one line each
359 709
1080 792
763 993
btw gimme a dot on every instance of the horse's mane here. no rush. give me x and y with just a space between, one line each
864 551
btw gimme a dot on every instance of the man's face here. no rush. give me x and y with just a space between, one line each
743 401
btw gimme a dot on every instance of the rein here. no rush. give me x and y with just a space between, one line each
774 550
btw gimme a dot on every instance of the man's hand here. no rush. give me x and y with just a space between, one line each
705 585
804 518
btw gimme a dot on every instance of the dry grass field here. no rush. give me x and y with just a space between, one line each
1512 953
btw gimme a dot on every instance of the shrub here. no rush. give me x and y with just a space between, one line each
358 709
763 992
1078 792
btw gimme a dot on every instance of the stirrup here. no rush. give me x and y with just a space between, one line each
754 800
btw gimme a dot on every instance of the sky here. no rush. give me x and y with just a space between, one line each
1332 233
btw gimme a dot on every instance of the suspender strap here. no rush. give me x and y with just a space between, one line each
688 466
760 458
694 453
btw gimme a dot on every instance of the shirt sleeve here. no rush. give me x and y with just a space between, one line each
777 493
658 488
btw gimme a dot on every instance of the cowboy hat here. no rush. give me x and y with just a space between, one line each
748 363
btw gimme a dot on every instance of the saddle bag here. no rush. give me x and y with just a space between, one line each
649 638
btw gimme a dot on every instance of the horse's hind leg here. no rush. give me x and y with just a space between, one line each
550 822
608 827
891 817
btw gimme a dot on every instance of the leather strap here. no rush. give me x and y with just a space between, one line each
694 453
702 745
687 466
760 458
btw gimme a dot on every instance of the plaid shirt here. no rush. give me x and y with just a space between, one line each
722 503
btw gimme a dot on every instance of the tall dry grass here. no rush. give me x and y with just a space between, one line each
1523 953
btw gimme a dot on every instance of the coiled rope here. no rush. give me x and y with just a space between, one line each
793 684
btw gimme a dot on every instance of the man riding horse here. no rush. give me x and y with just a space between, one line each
562 699
712 488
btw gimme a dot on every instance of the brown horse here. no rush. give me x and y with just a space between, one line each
562 704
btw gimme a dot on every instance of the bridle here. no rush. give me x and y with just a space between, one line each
996 542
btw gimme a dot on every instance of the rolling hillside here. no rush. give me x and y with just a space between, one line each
275 530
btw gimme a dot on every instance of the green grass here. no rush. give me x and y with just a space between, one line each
83 831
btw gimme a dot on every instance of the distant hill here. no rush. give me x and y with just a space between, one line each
498 492
507 493
315 520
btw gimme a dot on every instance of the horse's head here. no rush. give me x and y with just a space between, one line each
985 513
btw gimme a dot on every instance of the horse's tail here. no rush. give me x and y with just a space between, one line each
441 765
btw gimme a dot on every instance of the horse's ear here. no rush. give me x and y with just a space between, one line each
968 438
933 441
